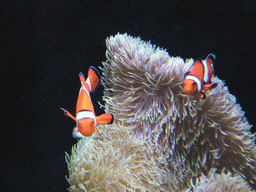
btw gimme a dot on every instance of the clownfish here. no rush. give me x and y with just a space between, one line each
200 77
86 121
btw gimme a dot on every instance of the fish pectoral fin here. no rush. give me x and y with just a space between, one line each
201 95
214 85
209 86
105 118
206 86
186 74
68 114
94 77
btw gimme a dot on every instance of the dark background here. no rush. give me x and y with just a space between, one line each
47 43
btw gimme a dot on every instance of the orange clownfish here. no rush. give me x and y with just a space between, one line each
86 120
200 77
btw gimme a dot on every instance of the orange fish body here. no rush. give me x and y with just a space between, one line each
85 115
200 77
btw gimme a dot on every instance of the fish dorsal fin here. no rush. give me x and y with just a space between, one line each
93 78
105 118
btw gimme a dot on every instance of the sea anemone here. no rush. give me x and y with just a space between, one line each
220 182
161 139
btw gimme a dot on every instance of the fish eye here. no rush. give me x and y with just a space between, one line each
194 83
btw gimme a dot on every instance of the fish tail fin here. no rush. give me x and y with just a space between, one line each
68 114
93 78
82 79
105 118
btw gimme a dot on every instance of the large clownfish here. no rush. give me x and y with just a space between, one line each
86 121
200 77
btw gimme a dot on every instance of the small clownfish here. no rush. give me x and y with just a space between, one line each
200 77
86 120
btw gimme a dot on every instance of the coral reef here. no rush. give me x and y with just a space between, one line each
162 139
